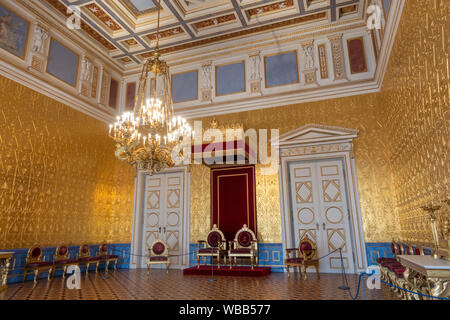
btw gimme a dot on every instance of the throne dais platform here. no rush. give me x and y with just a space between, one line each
226 271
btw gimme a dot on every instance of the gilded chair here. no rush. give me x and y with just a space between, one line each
61 260
103 256
393 270
293 259
36 263
244 245
158 253
85 258
215 246
308 251
398 249
387 265
383 261
418 250
407 249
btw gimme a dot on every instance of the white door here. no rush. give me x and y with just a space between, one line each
319 210
164 214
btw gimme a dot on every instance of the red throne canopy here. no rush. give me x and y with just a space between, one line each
233 199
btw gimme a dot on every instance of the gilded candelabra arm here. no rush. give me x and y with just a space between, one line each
433 217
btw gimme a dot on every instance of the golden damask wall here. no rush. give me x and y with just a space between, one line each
267 205
401 153
376 186
416 101
200 202
59 180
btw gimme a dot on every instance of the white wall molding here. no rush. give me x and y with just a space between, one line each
364 83
30 81
317 142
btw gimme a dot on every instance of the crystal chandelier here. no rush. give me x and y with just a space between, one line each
147 136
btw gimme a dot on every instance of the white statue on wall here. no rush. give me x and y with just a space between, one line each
375 21
309 57
40 35
255 61
86 67
206 75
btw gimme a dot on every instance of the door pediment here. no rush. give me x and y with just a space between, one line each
311 134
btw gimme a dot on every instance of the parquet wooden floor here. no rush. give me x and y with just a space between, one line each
135 285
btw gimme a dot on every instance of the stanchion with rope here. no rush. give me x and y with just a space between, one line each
212 279
212 271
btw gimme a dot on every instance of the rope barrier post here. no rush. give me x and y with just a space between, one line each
212 271
344 286
364 289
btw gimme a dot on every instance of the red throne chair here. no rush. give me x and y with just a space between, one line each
391 269
103 256
34 262
293 259
158 253
85 258
418 250
244 245
61 260
215 246
308 251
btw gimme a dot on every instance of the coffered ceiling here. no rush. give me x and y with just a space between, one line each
224 55
127 28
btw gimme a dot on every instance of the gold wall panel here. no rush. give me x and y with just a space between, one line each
375 182
59 180
415 98
267 205
401 154
200 202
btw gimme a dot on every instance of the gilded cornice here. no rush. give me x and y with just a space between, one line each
55 23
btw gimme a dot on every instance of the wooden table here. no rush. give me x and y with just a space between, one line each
5 257
436 271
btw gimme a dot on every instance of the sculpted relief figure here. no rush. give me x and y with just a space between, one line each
40 35
86 67
206 75
255 61
309 57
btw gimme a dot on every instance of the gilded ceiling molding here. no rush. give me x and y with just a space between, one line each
337 51
252 45
54 23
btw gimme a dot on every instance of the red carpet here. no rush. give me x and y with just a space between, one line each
226 271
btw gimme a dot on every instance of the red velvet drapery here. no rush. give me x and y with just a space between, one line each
233 199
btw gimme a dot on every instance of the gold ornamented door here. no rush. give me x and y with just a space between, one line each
164 213
319 210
